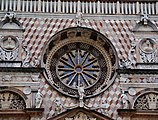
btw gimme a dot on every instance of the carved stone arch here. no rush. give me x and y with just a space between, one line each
12 89
146 101
10 99
88 42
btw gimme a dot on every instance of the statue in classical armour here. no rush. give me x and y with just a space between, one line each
38 100
79 18
125 101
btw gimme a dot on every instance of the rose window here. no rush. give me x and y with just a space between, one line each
78 67
77 60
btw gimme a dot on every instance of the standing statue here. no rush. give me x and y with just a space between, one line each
58 106
79 18
103 107
38 100
81 94
125 101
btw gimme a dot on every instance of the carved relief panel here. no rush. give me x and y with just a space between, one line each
147 50
146 38
11 100
11 45
147 101
9 48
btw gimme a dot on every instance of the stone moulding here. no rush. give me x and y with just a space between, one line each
21 69
27 112
133 113
137 71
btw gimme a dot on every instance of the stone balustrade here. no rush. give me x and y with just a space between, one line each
87 7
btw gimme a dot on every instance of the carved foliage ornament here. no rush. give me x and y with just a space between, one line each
80 60
11 100
147 101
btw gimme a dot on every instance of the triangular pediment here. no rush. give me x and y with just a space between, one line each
80 114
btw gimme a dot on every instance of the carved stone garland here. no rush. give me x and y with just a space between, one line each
11 100
147 102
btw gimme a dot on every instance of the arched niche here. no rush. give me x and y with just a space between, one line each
11 100
146 101
95 68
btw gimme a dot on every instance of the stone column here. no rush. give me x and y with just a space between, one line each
39 5
18 5
118 7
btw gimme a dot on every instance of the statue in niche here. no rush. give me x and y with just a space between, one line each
9 44
81 94
125 101
79 18
38 100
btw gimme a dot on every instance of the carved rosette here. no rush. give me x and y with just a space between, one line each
147 101
77 58
147 48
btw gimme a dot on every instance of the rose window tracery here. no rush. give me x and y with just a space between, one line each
74 59
78 67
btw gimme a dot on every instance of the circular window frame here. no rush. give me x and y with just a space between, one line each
56 42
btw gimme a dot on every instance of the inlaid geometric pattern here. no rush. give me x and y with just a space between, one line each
39 30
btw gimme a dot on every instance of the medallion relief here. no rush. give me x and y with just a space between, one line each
9 48
148 50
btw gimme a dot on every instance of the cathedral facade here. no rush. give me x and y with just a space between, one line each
78 60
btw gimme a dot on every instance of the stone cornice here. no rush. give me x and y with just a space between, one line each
21 69
134 112
96 16
137 71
